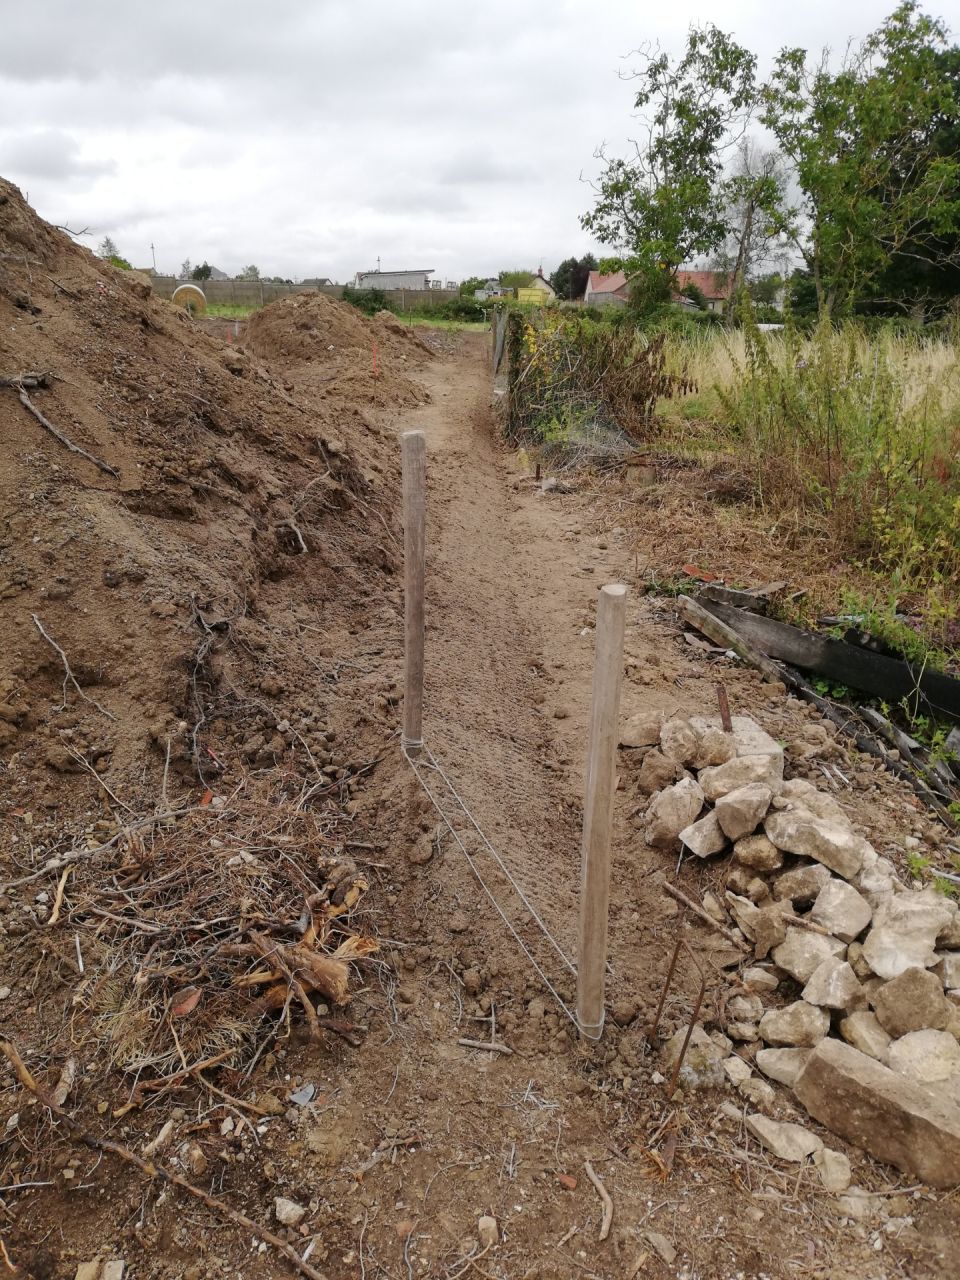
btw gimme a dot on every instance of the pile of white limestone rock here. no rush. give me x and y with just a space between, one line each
853 999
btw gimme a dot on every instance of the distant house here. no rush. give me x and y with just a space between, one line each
419 279
538 291
217 274
492 289
318 282
714 285
606 291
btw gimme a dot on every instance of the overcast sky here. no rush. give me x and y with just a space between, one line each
312 136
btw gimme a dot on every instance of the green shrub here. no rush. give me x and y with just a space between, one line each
369 301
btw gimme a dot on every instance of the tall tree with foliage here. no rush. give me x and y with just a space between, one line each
861 143
201 272
517 279
669 202
251 272
469 286
757 190
570 278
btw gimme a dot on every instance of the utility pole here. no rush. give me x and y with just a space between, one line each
154 252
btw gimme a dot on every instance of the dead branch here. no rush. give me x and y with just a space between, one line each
491 1046
148 1168
69 677
57 433
607 1220
698 911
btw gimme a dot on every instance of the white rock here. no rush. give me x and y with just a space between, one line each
929 1057
745 1008
679 741
641 730
757 979
741 771
947 969
488 1233
912 1001
864 1032
716 747
746 1032
798 793
758 1092
904 933
801 885
834 1169
834 985
288 1212
740 812
799 1024
822 839
736 1069
671 810
704 837
841 911
113 1270
782 1065
787 1141
801 952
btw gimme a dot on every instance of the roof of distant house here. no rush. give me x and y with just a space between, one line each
599 283
712 284
406 271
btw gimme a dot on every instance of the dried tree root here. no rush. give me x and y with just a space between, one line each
148 1168
20 384
69 677
607 1220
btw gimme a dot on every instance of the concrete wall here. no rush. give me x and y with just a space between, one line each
257 293
394 280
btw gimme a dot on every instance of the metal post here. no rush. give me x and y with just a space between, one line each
598 810
414 454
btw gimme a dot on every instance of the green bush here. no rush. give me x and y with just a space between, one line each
369 301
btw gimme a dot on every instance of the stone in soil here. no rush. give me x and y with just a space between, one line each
758 1092
488 1232
745 1008
834 985
716 747
746 1032
782 1065
742 771
704 837
822 839
862 1030
801 952
947 969
800 1025
657 772
702 1067
641 730
841 911
757 979
288 1212
740 812
904 933
834 1169
883 1112
736 1069
910 1002
679 741
671 810
801 885
787 1141
929 1057
757 853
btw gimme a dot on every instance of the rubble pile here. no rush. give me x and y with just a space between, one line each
853 996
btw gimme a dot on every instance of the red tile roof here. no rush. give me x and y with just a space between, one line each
599 283
712 284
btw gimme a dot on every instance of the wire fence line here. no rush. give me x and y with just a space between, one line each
507 896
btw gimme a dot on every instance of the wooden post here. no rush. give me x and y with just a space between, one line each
414 454
598 810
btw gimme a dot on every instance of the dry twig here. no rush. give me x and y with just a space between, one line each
20 384
607 1220
69 677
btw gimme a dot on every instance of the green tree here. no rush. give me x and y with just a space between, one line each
669 202
861 143
249 273
186 271
518 279
107 249
469 286
202 272
570 278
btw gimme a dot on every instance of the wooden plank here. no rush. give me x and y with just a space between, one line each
887 678
702 617
414 462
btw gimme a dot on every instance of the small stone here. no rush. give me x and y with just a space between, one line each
702 1062
757 979
786 1141
488 1233
857 1204
662 1246
88 1270
841 911
704 837
736 1069
802 952
716 747
834 985
745 1008
624 1012
930 1058
910 1002
857 961
782 1065
905 931
822 839
714 907
862 1030
657 772
740 812
113 1269
271 1104
641 730
834 1169
746 1032
947 970
671 810
758 1092
458 922
758 853
679 741
769 930
741 771
801 885
799 1024
288 1212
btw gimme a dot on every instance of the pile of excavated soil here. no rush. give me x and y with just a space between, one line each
312 327
225 517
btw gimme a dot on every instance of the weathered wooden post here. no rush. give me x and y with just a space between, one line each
598 810
413 448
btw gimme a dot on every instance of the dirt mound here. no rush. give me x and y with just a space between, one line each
310 327
202 515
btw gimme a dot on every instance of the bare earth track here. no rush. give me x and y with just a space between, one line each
411 1136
